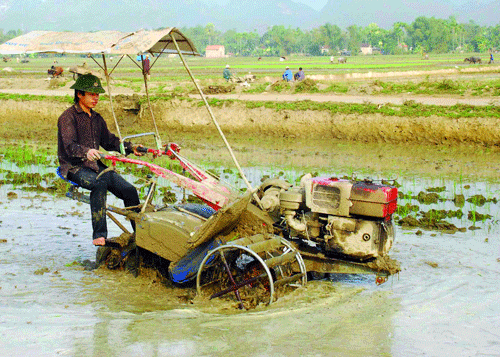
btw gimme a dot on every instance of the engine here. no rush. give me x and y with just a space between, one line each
343 218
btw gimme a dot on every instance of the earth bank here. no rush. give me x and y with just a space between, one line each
189 116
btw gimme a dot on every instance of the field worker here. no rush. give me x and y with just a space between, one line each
226 73
299 76
288 75
147 67
81 131
491 58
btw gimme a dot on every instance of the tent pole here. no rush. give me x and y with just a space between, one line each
214 120
122 147
157 138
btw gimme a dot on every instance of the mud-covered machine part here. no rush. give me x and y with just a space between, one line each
253 268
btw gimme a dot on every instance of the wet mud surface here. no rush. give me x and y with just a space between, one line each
444 301
446 292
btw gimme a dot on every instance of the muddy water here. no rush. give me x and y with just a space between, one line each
443 303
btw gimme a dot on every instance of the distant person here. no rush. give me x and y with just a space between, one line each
299 76
331 59
227 73
491 58
147 67
288 75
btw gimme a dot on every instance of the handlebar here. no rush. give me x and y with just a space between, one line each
170 149
142 149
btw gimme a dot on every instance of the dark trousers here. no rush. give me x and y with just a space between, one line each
109 181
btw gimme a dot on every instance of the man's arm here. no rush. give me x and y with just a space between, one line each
111 142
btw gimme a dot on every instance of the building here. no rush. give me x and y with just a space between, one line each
215 51
367 49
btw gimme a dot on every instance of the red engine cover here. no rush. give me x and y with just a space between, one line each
364 199
371 199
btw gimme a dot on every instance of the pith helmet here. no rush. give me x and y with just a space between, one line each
88 83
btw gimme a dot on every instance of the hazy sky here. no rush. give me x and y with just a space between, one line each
315 4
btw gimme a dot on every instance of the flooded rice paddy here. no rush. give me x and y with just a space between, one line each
444 302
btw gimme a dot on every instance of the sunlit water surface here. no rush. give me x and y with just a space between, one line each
443 303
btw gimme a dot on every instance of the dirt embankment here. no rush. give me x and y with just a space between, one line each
24 119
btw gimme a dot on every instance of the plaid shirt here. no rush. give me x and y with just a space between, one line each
78 133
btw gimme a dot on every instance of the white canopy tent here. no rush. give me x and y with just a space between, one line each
102 42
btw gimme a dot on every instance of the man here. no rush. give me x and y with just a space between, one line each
226 73
81 131
299 76
288 75
147 67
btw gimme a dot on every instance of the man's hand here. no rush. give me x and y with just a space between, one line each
93 155
137 153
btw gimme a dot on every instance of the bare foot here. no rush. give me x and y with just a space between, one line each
99 241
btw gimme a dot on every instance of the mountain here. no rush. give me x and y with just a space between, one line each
93 15
482 13
382 12
241 15
259 15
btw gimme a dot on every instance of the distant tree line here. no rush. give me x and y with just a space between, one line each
10 34
424 35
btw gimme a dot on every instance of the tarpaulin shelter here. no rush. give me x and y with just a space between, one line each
102 42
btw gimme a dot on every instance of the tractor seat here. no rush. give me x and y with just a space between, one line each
73 189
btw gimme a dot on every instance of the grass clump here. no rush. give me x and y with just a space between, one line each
306 86
25 155
409 109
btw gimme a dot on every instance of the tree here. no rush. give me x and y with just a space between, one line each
199 37
212 33
282 40
331 36
353 37
396 39
240 43
9 35
374 35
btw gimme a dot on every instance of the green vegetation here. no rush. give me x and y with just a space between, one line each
421 36
23 155
409 215
30 97
409 109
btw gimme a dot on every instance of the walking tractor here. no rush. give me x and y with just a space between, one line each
251 247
